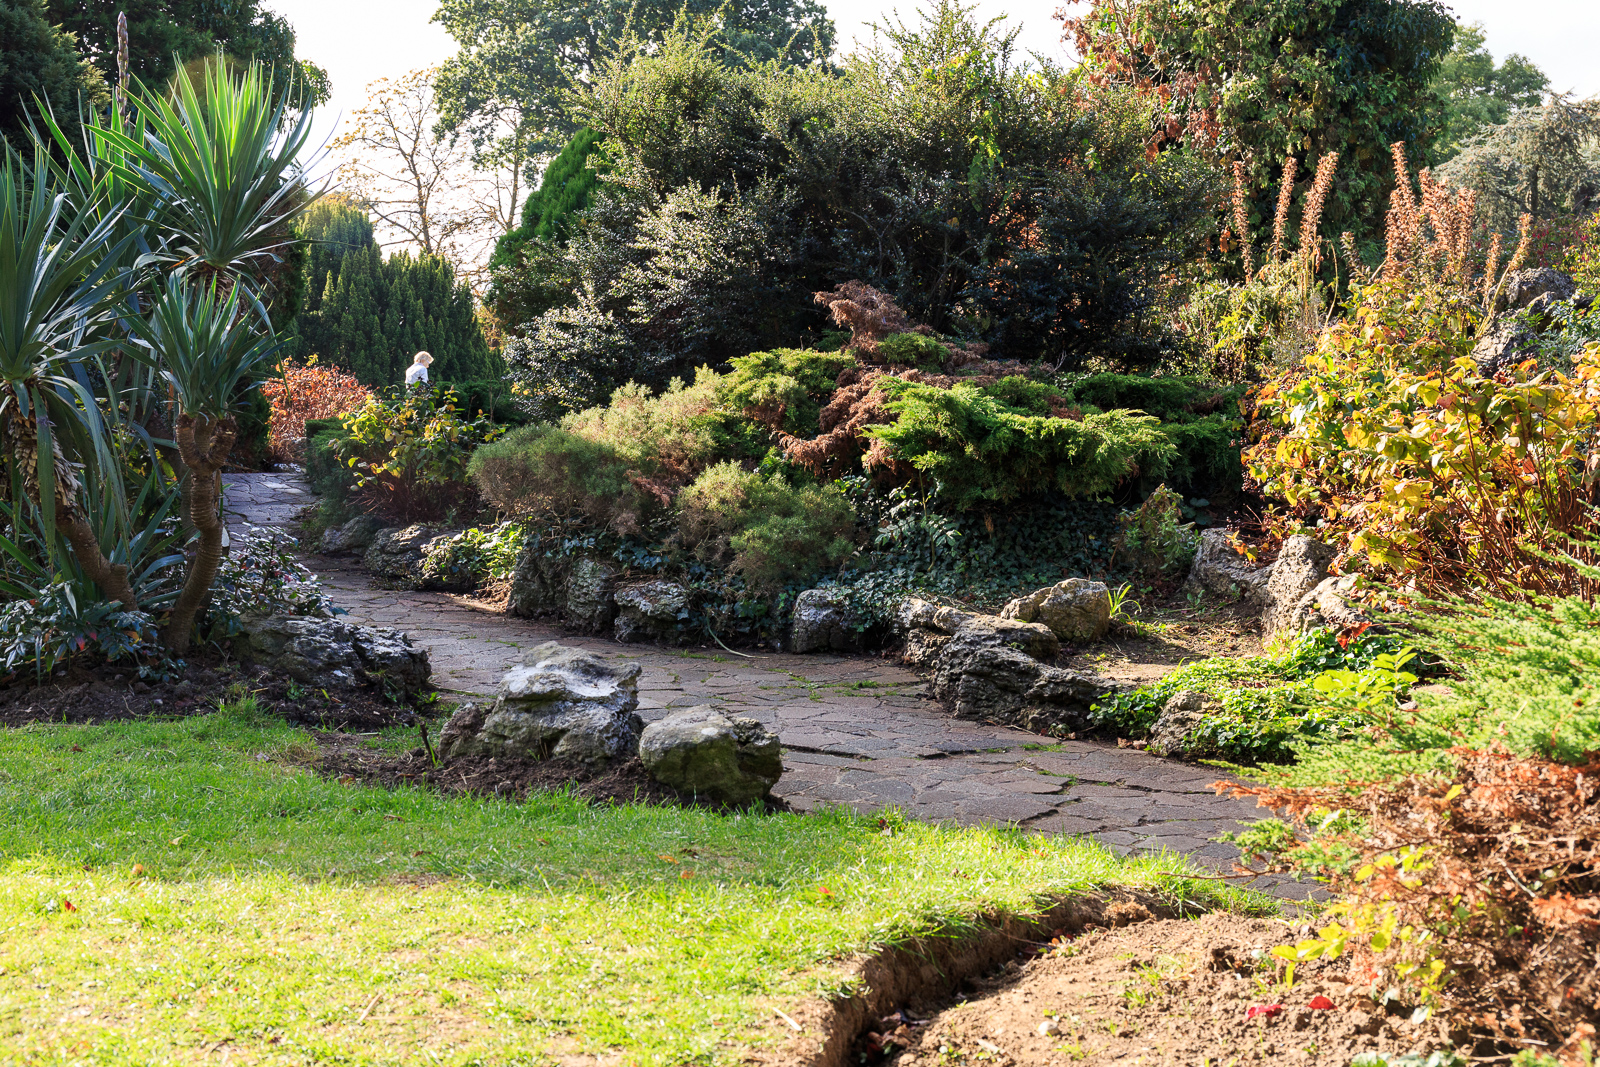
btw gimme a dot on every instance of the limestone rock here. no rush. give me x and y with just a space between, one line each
559 702
354 536
822 622
1302 565
978 676
1530 284
1506 343
1035 639
397 553
590 601
1220 571
700 751
330 653
1075 610
651 611
1181 714
538 584
1329 605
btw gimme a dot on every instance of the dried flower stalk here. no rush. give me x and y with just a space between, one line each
1280 220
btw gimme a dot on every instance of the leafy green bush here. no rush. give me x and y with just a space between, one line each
409 452
473 556
670 436
978 449
1154 540
548 470
1522 676
263 575
768 532
1270 706
64 620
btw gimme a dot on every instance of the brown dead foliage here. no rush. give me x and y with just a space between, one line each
870 314
1507 882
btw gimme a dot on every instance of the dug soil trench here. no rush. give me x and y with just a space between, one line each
1097 980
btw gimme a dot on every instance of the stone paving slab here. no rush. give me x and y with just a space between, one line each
887 744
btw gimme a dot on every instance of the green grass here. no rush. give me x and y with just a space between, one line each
228 905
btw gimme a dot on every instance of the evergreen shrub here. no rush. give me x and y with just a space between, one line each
978 449
409 453
765 530
547 470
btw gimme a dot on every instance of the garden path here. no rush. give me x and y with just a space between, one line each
857 730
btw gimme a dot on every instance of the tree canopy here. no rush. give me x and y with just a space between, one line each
1263 80
370 315
39 61
1476 92
506 87
190 30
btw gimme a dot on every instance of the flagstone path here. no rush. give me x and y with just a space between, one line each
857 730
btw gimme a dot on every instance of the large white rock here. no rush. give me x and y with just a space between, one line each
330 653
1220 571
652 611
1302 565
559 702
1076 610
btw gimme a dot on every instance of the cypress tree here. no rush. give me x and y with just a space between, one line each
369 315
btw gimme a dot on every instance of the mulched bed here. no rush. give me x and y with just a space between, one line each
354 759
1177 991
108 693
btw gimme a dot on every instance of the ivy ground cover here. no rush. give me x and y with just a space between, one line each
172 891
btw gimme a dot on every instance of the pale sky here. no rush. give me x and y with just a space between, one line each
357 41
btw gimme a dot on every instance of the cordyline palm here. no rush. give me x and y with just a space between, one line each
59 288
206 343
226 178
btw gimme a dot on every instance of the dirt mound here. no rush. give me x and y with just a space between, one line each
1178 992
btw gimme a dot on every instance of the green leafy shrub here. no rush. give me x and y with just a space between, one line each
669 436
409 452
548 470
768 532
264 575
978 449
915 349
474 556
1270 707
1154 540
64 620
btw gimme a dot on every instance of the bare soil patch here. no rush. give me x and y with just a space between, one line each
357 759
1177 634
99 693
1160 992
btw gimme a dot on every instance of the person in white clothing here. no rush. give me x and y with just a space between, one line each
418 371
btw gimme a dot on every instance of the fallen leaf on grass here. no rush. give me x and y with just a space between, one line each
1265 1010
663 856
68 905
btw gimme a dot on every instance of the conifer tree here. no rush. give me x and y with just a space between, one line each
370 315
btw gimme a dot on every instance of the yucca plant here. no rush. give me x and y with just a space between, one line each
59 289
207 338
220 154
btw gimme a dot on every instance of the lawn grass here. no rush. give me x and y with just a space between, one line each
187 892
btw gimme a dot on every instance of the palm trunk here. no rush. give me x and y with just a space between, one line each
21 439
204 449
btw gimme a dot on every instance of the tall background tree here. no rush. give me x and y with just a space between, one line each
505 89
190 30
1475 92
1261 81
420 186
369 314
40 61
